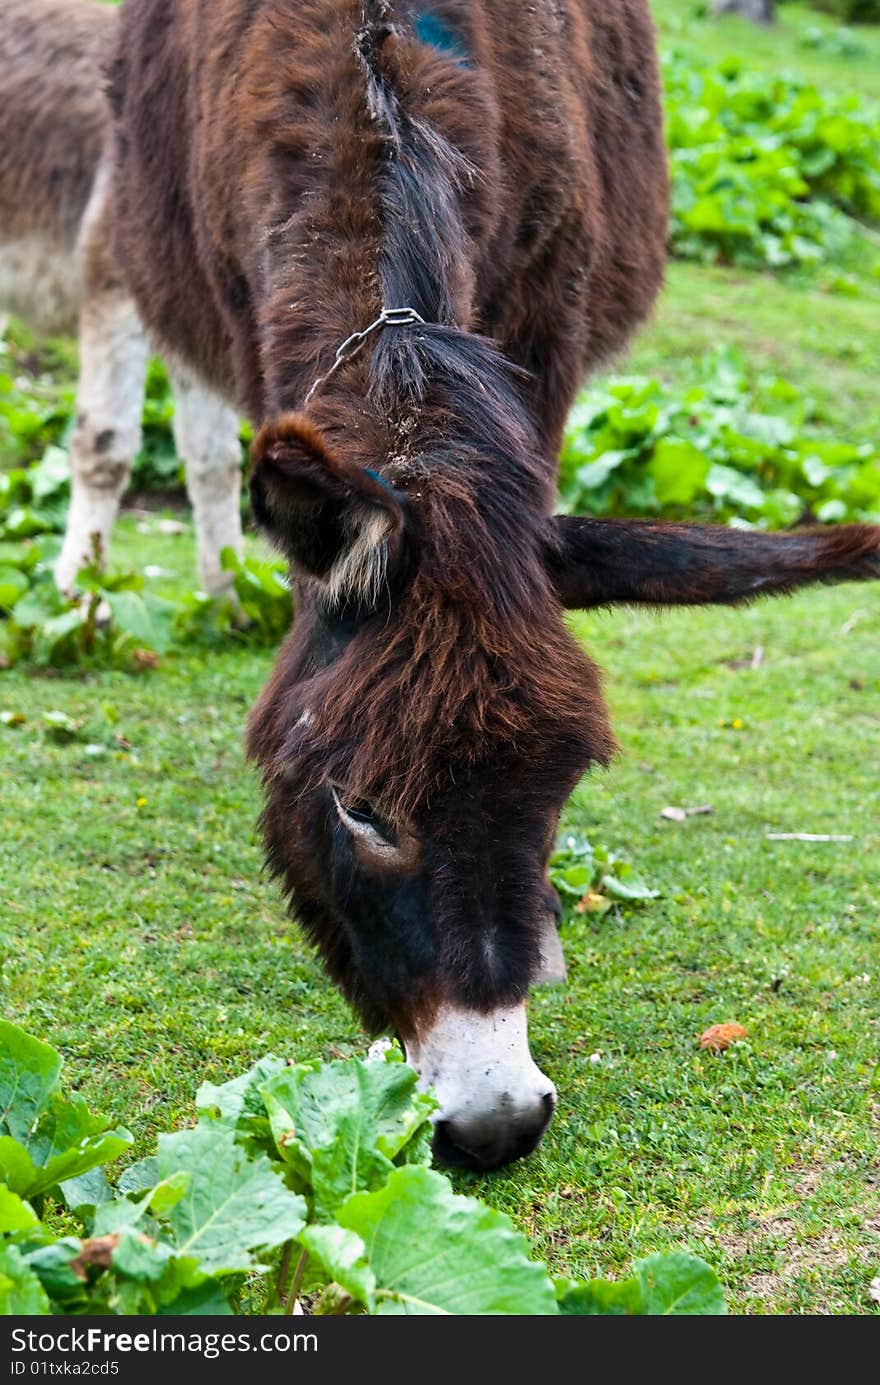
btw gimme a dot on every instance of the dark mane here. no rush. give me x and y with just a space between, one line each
424 254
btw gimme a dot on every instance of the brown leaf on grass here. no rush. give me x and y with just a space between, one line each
592 903
97 1251
145 658
718 1037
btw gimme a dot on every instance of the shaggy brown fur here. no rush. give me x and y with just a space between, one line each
53 116
270 215
54 131
287 170
58 272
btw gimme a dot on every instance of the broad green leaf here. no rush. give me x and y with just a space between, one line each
13 585
206 1301
89 1152
675 1285
51 1265
54 641
148 1275
573 880
601 1297
352 1164
145 1260
85 1192
595 474
21 1293
115 1217
144 617
17 1168
167 1194
232 1205
623 883
16 1215
239 1105
679 470
29 1072
57 1139
679 1284
140 1176
50 475
341 1125
432 1251
40 604
728 484
131 1210
342 1256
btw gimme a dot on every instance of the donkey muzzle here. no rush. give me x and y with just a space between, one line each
495 1103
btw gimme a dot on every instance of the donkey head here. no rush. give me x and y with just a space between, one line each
428 716
425 722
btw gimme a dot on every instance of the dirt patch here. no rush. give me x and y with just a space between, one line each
779 1235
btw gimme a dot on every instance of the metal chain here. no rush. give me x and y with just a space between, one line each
389 317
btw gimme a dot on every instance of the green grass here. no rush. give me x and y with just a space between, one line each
828 346
139 935
778 48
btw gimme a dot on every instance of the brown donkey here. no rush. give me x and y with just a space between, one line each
397 235
57 271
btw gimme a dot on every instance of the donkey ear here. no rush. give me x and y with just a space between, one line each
599 562
334 521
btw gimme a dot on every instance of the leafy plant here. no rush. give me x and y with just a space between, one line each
45 1138
157 465
115 621
33 500
663 1285
764 166
834 43
299 1185
853 11
36 405
590 879
263 593
720 449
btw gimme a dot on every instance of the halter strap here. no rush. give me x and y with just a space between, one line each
389 317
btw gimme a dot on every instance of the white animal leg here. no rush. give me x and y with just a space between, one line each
206 436
107 434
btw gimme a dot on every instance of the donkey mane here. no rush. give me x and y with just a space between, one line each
424 248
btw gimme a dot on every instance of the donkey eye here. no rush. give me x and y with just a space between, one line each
360 812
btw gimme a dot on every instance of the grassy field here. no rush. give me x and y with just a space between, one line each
139 936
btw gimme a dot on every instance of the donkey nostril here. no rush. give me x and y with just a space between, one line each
447 1151
529 1135
492 1142
480 1148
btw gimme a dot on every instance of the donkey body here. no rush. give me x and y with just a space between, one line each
471 195
58 272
